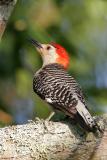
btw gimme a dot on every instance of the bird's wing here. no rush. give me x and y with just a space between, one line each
61 76
63 93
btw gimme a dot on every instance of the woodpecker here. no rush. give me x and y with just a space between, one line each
60 90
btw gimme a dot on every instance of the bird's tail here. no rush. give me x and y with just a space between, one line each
84 117
87 125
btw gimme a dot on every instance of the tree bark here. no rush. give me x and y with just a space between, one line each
6 7
43 140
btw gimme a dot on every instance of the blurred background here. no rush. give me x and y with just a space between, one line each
80 26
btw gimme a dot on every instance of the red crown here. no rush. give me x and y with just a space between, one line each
60 50
63 55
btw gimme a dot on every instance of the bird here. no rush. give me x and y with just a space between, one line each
58 88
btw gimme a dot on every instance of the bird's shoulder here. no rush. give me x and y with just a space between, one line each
58 72
55 75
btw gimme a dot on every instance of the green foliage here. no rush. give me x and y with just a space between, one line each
80 26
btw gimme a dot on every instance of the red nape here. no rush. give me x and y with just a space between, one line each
63 54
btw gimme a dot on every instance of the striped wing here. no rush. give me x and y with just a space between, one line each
59 89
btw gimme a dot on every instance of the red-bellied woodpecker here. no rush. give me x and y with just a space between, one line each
54 85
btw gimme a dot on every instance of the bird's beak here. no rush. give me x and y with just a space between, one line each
35 43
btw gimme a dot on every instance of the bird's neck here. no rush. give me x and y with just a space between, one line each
64 62
59 61
53 65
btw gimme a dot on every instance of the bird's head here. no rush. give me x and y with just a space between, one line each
52 53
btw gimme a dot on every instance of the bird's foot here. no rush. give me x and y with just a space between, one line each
38 120
50 116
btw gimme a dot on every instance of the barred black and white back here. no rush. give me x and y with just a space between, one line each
54 85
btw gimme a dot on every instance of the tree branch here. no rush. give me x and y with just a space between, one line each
6 7
42 140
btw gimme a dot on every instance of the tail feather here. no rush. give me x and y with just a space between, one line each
84 125
84 116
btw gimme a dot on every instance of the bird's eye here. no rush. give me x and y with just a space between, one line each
48 47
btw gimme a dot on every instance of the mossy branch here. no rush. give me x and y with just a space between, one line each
43 140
